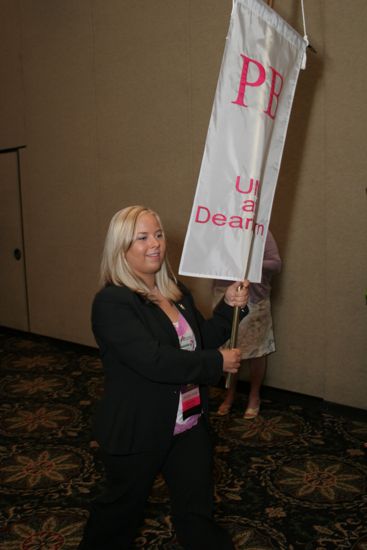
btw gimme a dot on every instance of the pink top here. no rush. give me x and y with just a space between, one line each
189 394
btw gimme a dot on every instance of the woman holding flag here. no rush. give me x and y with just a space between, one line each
255 332
159 356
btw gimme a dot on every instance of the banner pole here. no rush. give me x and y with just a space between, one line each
233 337
236 310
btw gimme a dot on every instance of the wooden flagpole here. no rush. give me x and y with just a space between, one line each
233 338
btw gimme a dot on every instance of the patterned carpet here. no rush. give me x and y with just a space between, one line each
294 478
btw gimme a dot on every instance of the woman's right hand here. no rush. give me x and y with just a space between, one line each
231 360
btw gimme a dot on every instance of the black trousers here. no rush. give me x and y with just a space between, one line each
187 469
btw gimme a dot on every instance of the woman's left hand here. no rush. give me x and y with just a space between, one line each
237 294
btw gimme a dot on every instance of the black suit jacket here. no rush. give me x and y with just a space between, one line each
145 367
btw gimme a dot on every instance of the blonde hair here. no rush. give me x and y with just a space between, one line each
114 267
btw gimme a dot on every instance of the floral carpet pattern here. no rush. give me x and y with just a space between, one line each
293 478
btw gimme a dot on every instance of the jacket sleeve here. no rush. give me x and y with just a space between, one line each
122 335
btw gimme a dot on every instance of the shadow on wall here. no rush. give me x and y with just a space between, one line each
296 142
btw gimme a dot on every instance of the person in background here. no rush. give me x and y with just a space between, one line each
255 331
159 355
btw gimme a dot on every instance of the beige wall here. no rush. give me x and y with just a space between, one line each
112 99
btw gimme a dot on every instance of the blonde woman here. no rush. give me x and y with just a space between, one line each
159 356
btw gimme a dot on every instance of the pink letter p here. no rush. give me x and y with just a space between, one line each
244 82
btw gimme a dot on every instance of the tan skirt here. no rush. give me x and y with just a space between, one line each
255 332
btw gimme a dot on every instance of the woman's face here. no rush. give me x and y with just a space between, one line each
146 254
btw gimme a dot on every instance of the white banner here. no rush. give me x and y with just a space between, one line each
234 196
